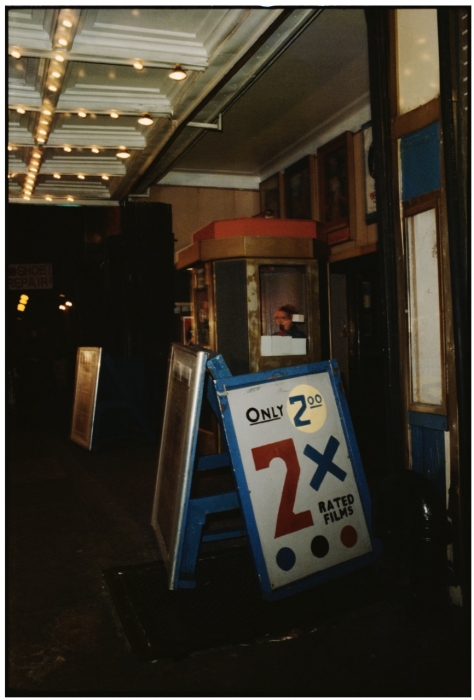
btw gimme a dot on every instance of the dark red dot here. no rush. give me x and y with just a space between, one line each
348 536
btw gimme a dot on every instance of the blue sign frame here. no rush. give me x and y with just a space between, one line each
224 389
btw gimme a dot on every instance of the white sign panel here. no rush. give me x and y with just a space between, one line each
299 476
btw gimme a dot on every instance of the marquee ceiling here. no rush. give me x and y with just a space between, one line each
258 80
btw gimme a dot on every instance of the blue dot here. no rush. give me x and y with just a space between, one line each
286 558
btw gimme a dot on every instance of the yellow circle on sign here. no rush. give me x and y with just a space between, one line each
306 408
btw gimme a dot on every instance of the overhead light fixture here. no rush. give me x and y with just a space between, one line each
57 176
114 115
15 53
21 110
68 149
52 87
105 177
62 41
94 149
49 199
123 153
81 177
70 199
138 65
67 23
59 57
82 113
177 73
146 120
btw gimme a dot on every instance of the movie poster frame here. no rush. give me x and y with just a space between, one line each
272 196
177 453
300 184
340 149
85 396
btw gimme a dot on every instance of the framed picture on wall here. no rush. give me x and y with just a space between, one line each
337 188
271 196
300 189
369 173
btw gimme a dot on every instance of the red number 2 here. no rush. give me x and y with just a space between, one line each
287 520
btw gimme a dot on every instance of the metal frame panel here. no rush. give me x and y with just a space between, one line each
185 390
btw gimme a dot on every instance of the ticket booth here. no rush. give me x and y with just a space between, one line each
242 271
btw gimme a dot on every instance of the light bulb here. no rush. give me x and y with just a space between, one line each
177 73
146 120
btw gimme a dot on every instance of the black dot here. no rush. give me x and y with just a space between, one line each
320 546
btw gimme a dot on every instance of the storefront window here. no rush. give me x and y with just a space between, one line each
424 309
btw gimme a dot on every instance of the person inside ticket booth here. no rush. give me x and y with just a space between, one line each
284 320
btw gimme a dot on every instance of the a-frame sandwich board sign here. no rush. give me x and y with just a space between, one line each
177 518
300 480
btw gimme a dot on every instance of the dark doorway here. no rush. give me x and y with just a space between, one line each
356 344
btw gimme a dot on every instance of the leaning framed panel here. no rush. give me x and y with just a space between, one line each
186 374
88 362
299 475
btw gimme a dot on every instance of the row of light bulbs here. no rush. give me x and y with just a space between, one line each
178 73
145 119
61 41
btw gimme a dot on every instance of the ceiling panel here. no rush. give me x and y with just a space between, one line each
273 74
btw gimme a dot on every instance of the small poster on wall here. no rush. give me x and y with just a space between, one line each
337 188
369 173
271 196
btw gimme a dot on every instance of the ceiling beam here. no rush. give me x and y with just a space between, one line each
145 176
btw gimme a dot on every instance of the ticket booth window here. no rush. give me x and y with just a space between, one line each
281 285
